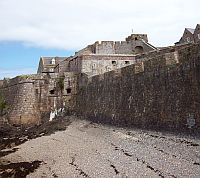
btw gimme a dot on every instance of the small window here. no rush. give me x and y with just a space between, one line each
52 92
36 91
188 39
127 62
69 90
114 62
53 61
51 70
108 68
93 66
136 38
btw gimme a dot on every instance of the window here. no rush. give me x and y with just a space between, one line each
93 66
188 39
114 62
53 61
108 68
69 90
51 70
139 49
52 92
127 62
36 91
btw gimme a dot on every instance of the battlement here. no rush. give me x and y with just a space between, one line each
23 79
135 37
135 43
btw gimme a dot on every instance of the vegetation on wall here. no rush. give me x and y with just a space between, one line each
3 104
24 76
60 83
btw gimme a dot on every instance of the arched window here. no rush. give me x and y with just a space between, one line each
188 39
139 49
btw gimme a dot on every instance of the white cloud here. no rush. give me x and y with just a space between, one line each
9 73
72 24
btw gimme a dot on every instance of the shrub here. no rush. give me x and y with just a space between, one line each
2 104
61 83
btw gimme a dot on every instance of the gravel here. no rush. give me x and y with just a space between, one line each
87 149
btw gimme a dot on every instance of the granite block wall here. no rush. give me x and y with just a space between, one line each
160 91
31 98
19 94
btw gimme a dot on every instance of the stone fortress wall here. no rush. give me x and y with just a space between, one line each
20 98
159 91
151 89
30 97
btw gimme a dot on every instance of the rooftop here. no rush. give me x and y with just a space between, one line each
191 30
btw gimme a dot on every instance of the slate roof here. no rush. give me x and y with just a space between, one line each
47 60
191 30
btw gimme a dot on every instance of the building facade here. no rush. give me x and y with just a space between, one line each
197 33
190 35
134 44
48 64
105 56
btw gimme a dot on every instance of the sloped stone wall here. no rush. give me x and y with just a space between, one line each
161 91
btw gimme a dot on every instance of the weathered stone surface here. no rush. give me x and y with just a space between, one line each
21 102
163 96
31 97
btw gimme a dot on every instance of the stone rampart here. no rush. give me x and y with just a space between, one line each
30 98
22 104
160 91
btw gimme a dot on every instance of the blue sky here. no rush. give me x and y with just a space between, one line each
33 28
17 58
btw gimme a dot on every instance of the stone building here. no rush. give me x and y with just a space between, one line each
54 86
154 88
197 33
105 56
95 64
48 64
190 35
63 66
134 44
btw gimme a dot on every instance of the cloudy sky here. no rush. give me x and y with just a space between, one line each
33 28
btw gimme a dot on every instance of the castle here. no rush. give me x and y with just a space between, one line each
127 82
99 57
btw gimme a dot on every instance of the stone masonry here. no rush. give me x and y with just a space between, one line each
136 85
160 91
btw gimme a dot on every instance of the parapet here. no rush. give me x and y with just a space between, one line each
22 79
135 37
